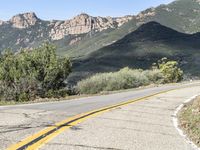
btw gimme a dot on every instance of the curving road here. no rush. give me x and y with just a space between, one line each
144 125
19 122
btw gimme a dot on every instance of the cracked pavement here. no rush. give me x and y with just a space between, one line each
21 123
142 125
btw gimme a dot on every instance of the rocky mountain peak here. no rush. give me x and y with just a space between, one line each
147 13
81 17
84 15
1 22
152 25
24 20
84 23
154 31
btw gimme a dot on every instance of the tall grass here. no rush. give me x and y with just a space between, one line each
124 79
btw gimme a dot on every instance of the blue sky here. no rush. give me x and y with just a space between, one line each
65 9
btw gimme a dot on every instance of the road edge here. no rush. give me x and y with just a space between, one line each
176 122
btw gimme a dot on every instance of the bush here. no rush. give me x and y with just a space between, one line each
30 74
154 76
124 79
170 70
164 71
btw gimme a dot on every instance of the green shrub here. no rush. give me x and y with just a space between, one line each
56 93
164 71
170 70
124 79
23 97
154 76
30 74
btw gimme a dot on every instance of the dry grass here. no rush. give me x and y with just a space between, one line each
190 120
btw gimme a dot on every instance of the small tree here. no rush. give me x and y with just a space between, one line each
51 71
28 74
170 70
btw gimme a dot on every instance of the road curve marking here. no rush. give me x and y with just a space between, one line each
35 141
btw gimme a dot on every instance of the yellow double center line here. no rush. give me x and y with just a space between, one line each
37 140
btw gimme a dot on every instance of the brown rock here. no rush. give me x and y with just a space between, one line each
24 20
84 23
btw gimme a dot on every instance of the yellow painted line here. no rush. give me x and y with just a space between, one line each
72 122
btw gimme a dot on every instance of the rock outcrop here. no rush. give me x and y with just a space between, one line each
23 20
80 24
84 23
1 22
147 13
27 29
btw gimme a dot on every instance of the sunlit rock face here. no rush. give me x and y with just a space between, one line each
24 20
83 23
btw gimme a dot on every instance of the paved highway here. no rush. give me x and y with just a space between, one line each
21 121
143 125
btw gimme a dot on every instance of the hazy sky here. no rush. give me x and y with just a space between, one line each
65 9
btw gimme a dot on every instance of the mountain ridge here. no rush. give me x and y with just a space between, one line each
80 24
26 30
170 30
140 51
181 15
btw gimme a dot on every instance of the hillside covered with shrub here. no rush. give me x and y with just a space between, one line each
164 71
139 49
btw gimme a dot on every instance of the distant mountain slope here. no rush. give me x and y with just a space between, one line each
180 15
141 48
72 36
27 30
134 41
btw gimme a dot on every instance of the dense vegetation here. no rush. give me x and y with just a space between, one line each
139 49
170 70
164 71
40 73
30 74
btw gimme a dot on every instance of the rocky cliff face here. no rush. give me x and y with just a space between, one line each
24 20
84 23
1 22
80 24
27 30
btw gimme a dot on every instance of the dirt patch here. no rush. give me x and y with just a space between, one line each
189 120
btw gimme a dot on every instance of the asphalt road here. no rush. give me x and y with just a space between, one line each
86 104
143 125
18 122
